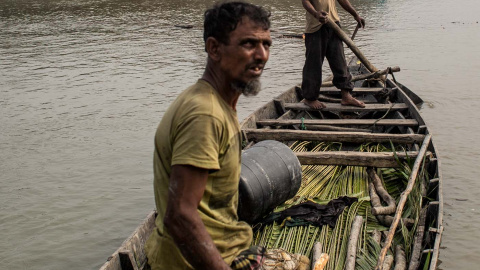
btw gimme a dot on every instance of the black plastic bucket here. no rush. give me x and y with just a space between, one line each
271 174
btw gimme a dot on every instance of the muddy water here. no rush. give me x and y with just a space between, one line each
84 83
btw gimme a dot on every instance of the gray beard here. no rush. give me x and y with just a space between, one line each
252 88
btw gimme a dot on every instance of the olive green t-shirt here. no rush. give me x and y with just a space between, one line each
328 6
200 129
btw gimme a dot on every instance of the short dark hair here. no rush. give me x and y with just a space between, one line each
223 18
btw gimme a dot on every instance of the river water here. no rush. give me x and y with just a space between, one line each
84 83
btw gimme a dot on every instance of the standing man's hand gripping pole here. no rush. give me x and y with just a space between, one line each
349 8
183 222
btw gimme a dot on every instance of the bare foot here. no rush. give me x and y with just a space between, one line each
314 104
348 99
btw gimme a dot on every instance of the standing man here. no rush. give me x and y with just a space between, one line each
198 150
320 42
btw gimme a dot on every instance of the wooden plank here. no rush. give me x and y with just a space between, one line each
279 106
335 107
335 128
340 122
131 251
306 135
352 158
357 90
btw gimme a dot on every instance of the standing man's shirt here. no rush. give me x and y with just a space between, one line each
200 129
328 6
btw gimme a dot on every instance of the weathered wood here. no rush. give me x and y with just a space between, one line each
127 260
400 259
382 192
335 107
377 236
418 241
341 122
403 199
316 252
131 251
352 243
374 75
335 128
353 137
357 90
385 220
387 263
350 158
319 259
279 106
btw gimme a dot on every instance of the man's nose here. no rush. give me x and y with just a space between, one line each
262 52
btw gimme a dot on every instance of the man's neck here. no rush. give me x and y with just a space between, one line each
221 85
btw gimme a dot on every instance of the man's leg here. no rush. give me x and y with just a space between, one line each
312 70
341 76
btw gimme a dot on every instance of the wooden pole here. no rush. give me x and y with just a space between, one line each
416 256
307 135
400 260
319 259
376 74
355 32
382 192
351 45
403 200
352 243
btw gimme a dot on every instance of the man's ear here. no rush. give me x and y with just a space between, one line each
212 46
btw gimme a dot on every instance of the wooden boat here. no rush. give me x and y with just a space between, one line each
390 118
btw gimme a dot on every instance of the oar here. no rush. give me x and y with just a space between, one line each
355 32
351 45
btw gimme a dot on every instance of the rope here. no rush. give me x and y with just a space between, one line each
302 125
385 92
393 76
376 121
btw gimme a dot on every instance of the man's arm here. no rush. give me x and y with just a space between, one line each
320 15
349 8
183 223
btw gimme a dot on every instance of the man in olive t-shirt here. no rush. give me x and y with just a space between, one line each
198 149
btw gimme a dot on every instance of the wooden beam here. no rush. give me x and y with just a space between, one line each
376 74
352 158
335 107
335 128
306 135
340 122
357 90
366 99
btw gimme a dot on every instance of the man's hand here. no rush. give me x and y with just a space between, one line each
322 16
360 20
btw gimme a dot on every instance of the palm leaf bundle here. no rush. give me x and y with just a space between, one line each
322 183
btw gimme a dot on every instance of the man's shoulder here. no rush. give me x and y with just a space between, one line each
200 90
200 98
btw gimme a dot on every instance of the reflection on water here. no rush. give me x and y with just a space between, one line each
83 85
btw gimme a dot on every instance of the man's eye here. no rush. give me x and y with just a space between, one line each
248 44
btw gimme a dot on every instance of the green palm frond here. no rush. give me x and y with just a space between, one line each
322 183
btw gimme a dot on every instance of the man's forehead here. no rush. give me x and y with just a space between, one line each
246 27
